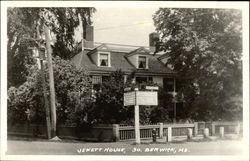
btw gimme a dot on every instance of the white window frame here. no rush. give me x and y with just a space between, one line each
146 61
98 76
98 58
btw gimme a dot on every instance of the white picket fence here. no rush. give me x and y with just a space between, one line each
128 132
178 129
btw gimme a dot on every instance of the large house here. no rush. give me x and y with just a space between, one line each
102 59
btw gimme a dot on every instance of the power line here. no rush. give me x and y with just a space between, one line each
121 26
104 28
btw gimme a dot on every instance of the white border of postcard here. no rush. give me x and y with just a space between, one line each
244 6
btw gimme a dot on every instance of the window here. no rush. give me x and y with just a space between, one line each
105 78
142 62
150 79
178 85
96 82
104 59
168 84
143 79
99 79
96 79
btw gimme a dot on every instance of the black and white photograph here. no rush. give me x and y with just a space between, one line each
132 80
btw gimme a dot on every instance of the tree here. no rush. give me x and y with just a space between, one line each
160 113
67 20
205 47
22 23
72 87
108 106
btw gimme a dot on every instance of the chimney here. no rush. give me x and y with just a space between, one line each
153 39
88 35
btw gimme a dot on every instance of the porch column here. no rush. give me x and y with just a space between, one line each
125 78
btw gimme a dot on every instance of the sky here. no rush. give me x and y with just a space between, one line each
129 26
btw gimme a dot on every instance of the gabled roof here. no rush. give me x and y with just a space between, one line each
119 61
141 50
118 47
102 47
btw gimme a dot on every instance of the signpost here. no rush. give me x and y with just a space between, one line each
135 97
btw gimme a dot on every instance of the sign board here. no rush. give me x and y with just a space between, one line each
137 98
152 88
127 89
129 98
149 98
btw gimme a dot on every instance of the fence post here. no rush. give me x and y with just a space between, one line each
189 133
206 133
161 130
169 137
221 132
195 128
213 128
237 129
116 135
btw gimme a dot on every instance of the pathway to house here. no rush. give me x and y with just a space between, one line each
195 147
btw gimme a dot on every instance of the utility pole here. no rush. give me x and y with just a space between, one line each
51 82
174 94
46 104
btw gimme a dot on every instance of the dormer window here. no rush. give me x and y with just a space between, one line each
142 62
104 59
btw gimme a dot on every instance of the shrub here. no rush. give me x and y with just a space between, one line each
108 106
72 90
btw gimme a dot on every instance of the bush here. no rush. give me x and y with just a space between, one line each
108 106
26 97
73 95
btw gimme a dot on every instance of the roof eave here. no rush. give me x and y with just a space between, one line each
173 73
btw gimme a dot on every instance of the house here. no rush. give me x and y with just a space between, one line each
102 59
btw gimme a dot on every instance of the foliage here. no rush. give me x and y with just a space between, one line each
160 113
26 96
108 106
154 114
66 22
73 95
73 92
205 46
19 25
23 23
